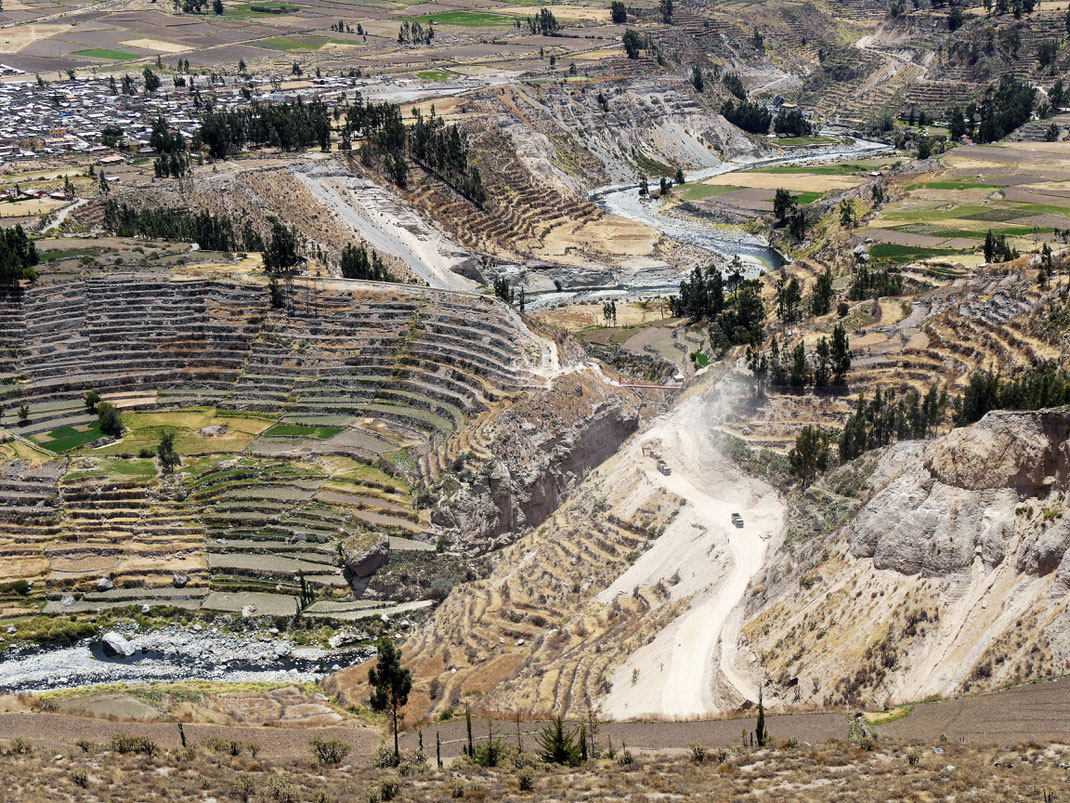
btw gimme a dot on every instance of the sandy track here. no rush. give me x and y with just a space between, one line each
703 557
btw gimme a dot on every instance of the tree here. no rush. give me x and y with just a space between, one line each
666 11
784 205
957 124
760 735
841 353
390 684
275 293
1051 134
632 43
92 399
217 7
821 299
618 13
925 148
557 745
798 225
800 368
152 81
697 79
810 454
281 251
679 176
848 214
822 358
166 452
24 415
108 417
241 65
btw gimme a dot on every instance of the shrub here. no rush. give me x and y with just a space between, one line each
282 790
80 777
384 757
329 751
866 743
698 752
456 788
86 745
228 747
243 786
126 743
389 788
912 758
526 778
721 755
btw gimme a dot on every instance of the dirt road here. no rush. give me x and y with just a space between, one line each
702 557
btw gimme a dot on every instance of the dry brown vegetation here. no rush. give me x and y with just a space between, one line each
828 771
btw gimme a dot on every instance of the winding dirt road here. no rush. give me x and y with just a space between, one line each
705 561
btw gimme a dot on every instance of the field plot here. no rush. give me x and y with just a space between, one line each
981 188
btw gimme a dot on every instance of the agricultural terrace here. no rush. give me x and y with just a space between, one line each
295 432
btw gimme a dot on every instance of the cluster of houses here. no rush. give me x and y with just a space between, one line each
70 117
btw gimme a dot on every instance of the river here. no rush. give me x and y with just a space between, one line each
173 653
754 251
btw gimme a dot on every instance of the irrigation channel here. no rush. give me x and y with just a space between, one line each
170 654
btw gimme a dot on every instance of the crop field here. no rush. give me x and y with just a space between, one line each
954 208
106 53
302 431
143 431
63 439
467 19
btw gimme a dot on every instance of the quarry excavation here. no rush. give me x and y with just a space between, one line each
581 400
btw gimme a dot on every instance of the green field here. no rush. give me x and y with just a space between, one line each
469 19
433 75
302 431
820 170
54 256
66 438
804 198
138 468
803 140
107 53
261 10
696 192
959 184
891 253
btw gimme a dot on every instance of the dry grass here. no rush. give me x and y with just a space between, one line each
833 770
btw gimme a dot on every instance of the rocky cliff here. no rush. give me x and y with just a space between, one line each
954 575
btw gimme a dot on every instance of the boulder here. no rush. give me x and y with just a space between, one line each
104 584
179 580
364 554
116 646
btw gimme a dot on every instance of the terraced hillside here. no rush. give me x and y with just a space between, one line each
298 432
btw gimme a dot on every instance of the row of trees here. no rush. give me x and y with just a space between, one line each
442 149
827 365
890 417
358 263
287 126
1002 109
1031 389
749 115
210 232
887 417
